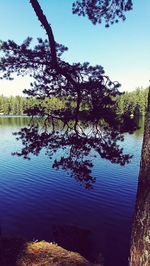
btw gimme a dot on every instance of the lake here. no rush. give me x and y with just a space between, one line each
40 202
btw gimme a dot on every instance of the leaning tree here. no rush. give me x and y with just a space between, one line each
77 84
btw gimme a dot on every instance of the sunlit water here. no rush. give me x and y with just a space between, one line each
39 202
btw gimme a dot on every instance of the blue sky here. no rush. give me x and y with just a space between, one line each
123 49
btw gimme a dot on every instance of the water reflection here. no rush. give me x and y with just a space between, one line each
79 143
45 204
19 121
75 239
140 122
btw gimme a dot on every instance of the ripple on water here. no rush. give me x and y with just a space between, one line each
34 197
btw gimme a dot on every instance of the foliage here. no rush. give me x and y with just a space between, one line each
126 103
134 102
77 84
17 105
87 83
96 10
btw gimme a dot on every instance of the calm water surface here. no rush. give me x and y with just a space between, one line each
39 202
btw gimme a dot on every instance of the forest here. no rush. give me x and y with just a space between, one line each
133 102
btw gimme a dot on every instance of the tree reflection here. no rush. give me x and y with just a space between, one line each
79 141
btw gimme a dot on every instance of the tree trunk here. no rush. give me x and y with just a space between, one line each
140 239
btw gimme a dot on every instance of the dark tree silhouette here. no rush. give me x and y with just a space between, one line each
79 83
80 144
97 10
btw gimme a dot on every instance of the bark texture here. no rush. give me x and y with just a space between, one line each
140 240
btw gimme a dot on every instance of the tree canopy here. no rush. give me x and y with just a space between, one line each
98 10
76 83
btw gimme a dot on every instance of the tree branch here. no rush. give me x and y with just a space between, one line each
42 18
60 70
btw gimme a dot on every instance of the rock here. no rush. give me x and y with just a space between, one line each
48 254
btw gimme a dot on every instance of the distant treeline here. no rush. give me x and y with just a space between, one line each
18 104
133 102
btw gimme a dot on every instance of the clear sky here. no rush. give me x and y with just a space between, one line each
123 49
